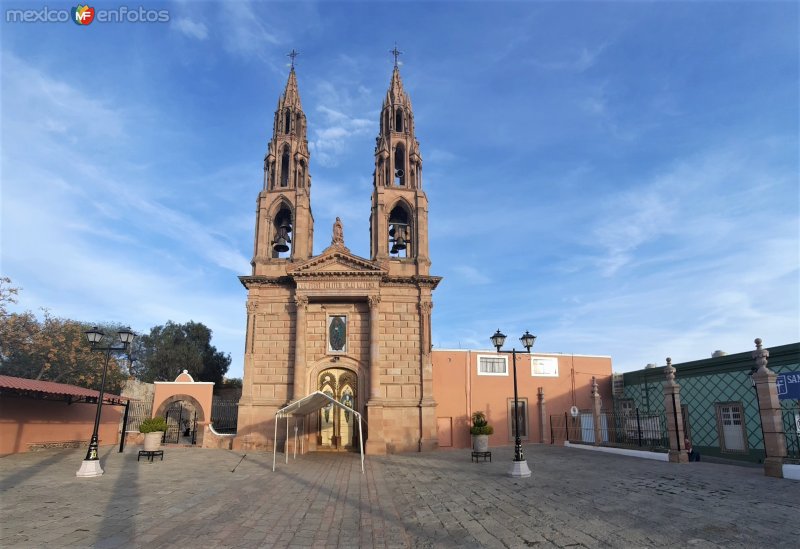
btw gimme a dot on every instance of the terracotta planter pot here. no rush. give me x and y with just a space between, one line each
152 441
480 443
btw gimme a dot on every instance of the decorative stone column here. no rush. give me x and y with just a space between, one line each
375 442
596 414
299 383
429 439
771 414
542 414
672 404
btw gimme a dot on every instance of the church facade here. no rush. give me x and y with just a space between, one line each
358 329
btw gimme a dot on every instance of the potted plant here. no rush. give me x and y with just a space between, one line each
480 432
153 429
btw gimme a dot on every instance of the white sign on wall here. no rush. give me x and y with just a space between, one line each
544 366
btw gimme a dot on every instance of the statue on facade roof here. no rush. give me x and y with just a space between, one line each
338 233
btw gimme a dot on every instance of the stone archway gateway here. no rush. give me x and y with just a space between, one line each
198 394
336 428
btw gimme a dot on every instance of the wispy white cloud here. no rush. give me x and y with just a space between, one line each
192 29
341 121
245 32
90 239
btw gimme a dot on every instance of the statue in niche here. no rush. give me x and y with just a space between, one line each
338 233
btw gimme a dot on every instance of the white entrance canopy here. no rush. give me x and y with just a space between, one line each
308 405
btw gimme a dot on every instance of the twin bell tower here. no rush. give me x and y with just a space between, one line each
357 329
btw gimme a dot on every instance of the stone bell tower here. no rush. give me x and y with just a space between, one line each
399 218
284 222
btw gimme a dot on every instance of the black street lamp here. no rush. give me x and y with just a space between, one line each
90 467
519 466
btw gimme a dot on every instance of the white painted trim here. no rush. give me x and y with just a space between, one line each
493 356
658 456
211 427
442 349
791 471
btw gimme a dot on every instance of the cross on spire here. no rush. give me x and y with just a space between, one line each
293 54
396 54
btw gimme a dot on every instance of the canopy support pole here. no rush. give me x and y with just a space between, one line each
361 443
275 443
295 438
286 443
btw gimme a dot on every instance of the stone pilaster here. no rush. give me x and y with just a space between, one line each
672 404
247 373
771 414
429 439
375 440
299 384
596 412
542 414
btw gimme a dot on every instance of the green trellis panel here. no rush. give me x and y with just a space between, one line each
723 379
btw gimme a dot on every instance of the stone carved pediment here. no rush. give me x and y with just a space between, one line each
335 260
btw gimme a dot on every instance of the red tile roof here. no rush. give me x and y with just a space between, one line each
52 388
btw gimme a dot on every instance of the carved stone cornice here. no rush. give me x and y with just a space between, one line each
419 281
250 281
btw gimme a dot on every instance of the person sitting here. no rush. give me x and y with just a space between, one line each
694 455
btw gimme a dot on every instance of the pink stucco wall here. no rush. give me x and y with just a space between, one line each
27 421
459 391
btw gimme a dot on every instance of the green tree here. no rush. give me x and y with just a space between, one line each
55 349
169 349
8 294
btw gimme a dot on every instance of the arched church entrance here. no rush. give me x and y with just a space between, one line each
336 428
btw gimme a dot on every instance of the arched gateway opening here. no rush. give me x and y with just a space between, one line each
336 428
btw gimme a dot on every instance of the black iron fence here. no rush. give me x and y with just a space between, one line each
181 425
632 429
224 415
791 428
137 412
637 429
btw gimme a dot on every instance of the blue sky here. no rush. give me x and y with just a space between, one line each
618 178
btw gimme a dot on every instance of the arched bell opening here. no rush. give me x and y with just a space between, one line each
281 244
399 165
400 232
285 167
287 121
398 120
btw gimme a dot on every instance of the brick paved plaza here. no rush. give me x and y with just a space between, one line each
574 499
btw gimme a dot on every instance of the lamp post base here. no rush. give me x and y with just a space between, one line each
91 468
519 469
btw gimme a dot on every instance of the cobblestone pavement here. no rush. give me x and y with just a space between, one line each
441 499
